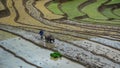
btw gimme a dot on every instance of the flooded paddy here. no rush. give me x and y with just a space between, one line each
33 54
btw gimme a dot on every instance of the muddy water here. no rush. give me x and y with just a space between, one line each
8 60
5 35
37 55
112 43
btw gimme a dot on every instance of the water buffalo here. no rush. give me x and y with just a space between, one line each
50 39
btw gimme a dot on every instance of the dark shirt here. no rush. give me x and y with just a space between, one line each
41 32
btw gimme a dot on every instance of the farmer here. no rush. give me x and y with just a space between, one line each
41 33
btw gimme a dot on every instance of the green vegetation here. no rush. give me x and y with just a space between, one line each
117 12
54 8
113 2
61 1
108 13
71 8
102 22
92 10
55 55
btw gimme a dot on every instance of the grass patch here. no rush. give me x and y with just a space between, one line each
71 8
92 10
53 6
101 22
117 12
108 13
113 2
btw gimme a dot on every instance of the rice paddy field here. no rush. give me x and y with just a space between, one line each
86 33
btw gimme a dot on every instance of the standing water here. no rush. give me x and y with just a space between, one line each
36 55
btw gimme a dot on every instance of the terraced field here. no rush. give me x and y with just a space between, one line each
2 7
116 12
113 2
85 34
108 13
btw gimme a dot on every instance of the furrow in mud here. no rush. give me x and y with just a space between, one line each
103 62
9 51
88 45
